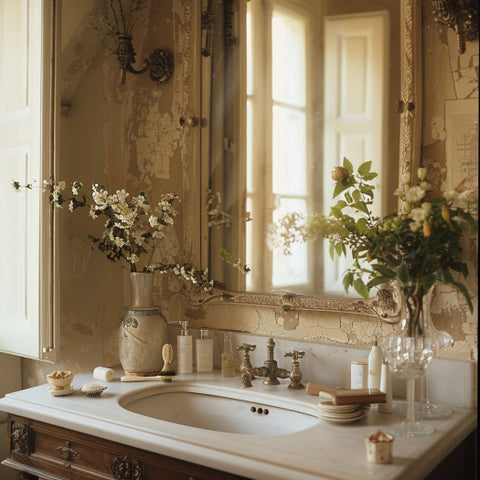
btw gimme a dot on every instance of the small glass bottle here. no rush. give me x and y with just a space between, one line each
204 352
228 360
375 366
184 350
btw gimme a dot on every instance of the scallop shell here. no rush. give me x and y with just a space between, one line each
93 389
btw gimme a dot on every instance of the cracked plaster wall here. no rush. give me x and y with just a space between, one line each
129 138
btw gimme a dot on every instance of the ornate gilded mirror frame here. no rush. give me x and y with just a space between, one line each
409 152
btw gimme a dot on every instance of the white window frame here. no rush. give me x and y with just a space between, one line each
32 332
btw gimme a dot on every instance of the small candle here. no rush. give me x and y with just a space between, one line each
379 447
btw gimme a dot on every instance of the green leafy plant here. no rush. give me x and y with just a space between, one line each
418 246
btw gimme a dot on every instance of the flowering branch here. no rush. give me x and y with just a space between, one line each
132 227
418 247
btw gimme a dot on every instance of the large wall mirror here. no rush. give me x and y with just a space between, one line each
289 88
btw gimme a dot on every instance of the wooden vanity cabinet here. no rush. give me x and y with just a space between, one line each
42 450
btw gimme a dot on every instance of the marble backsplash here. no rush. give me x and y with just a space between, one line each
450 381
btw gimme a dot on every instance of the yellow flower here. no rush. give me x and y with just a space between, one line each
339 173
427 229
446 213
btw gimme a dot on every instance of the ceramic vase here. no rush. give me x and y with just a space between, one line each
409 351
142 330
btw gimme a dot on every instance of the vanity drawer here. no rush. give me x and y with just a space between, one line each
36 446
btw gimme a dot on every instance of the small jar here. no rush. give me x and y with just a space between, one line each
379 447
359 374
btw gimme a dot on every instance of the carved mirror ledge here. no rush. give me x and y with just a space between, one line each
409 152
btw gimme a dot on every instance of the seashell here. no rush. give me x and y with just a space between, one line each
60 378
93 389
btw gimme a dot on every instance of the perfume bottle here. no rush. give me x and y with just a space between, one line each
184 349
204 352
228 360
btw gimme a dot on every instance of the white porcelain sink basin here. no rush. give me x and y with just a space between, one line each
220 410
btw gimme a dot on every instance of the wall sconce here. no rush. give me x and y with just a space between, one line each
461 16
159 64
117 21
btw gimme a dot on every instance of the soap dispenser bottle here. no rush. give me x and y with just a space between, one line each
228 360
375 366
204 352
184 349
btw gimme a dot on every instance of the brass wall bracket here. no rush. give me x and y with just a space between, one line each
461 16
159 64
288 316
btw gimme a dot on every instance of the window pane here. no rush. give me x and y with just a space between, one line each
249 146
288 59
289 151
249 51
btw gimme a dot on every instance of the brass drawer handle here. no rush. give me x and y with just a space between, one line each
67 452
125 468
21 439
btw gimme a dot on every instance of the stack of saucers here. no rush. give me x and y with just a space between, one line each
341 413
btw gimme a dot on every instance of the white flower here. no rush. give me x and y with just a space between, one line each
76 187
422 173
119 242
414 194
427 208
405 179
451 195
419 216
132 258
70 205
426 186
153 221
92 212
158 234
121 195
466 199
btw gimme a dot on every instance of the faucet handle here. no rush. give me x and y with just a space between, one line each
295 374
247 348
295 354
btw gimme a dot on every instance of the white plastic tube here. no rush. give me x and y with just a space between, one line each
103 373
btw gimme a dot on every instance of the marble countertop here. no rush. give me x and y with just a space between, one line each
323 451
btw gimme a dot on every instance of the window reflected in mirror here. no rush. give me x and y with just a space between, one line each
295 86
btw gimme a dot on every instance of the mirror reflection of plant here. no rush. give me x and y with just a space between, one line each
133 228
217 218
418 247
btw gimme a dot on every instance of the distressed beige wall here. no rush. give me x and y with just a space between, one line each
129 137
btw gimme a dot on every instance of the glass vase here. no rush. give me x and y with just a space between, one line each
409 351
426 409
